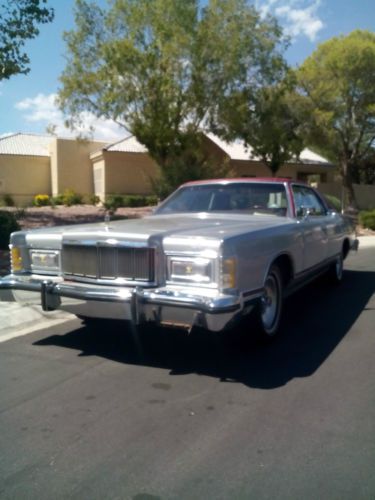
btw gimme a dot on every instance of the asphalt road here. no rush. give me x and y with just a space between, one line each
83 416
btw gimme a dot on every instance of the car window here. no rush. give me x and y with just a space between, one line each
306 199
235 197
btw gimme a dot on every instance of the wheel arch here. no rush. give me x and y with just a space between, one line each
285 263
345 248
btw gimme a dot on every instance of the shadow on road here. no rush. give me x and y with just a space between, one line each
316 320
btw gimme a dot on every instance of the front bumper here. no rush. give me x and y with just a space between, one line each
164 306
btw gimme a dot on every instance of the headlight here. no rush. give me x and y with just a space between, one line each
45 260
191 270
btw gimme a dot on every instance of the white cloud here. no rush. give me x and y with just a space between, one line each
42 109
298 17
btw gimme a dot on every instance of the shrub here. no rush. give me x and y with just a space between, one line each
6 200
57 200
333 202
67 198
367 219
41 200
70 198
92 199
115 201
8 224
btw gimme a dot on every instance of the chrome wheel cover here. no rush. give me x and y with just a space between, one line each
270 303
339 267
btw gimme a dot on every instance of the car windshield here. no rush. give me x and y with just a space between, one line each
268 198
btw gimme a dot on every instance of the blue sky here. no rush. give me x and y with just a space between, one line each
27 101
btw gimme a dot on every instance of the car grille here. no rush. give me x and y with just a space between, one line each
108 263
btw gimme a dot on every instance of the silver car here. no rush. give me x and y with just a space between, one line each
211 253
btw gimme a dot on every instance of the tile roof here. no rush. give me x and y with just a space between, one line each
25 144
237 151
127 145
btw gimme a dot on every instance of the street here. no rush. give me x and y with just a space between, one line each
84 415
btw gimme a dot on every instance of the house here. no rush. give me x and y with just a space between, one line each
40 164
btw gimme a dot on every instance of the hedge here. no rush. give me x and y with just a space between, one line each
8 224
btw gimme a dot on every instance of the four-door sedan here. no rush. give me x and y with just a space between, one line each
211 253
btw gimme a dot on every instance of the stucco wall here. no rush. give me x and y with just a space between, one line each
71 167
128 173
291 170
23 177
365 194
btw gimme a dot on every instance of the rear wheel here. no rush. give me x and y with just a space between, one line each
268 311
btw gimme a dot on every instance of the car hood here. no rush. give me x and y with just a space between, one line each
157 227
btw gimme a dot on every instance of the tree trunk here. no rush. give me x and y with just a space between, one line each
350 199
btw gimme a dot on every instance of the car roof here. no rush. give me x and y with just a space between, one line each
276 180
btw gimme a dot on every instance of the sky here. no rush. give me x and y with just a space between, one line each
27 102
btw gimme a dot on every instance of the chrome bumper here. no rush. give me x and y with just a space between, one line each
164 306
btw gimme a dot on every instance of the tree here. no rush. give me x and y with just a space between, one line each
266 122
338 101
18 23
161 68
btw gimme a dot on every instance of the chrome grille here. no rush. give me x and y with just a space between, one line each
108 263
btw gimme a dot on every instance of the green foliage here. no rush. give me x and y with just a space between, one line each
92 199
57 200
164 69
18 23
333 202
367 219
41 200
8 224
115 201
68 198
266 122
337 101
6 200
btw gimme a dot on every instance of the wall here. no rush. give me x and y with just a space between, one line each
23 177
71 167
365 194
128 173
290 170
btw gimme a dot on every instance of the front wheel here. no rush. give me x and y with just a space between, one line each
268 311
335 272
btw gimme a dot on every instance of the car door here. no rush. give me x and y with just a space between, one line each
312 218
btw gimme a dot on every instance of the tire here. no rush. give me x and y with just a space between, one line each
335 272
268 313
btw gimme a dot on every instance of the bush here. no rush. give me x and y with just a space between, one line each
92 199
41 200
8 224
6 200
57 200
70 198
367 219
333 202
115 201
67 198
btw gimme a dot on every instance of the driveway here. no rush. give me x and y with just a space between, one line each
83 416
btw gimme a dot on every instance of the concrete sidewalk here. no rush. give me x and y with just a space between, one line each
16 319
